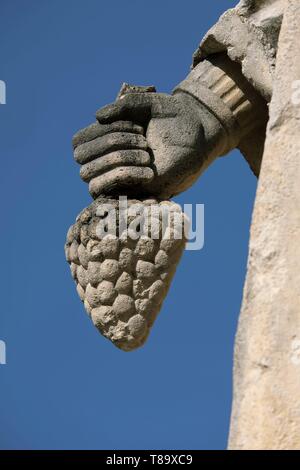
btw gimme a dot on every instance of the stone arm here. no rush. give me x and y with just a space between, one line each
157 144
220 86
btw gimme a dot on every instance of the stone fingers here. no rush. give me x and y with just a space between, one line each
139 108
98 130
88 151
112 160
135 107
118 178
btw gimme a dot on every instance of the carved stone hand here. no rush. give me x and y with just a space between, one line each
147 143
156 144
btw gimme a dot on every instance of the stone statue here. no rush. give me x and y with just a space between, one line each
150 145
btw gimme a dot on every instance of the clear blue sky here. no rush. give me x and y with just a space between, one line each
64 386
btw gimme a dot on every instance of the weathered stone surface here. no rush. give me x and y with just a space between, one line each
145 248
104 163
123 287
107 292
120 177
93 272
248 34
124 283
220 84
72 252
145 270
127 260
82 255
110 142
97 130
266 407
124 305
82 276
137 326
110 270
127 88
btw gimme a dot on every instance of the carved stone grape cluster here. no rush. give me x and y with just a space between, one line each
121 281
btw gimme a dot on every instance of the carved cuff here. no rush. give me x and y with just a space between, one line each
219 85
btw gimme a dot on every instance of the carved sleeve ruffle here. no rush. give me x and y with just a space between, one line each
248 34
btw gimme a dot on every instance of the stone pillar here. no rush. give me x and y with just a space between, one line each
266 404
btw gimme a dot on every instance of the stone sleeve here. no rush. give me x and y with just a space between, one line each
219 85
248 34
